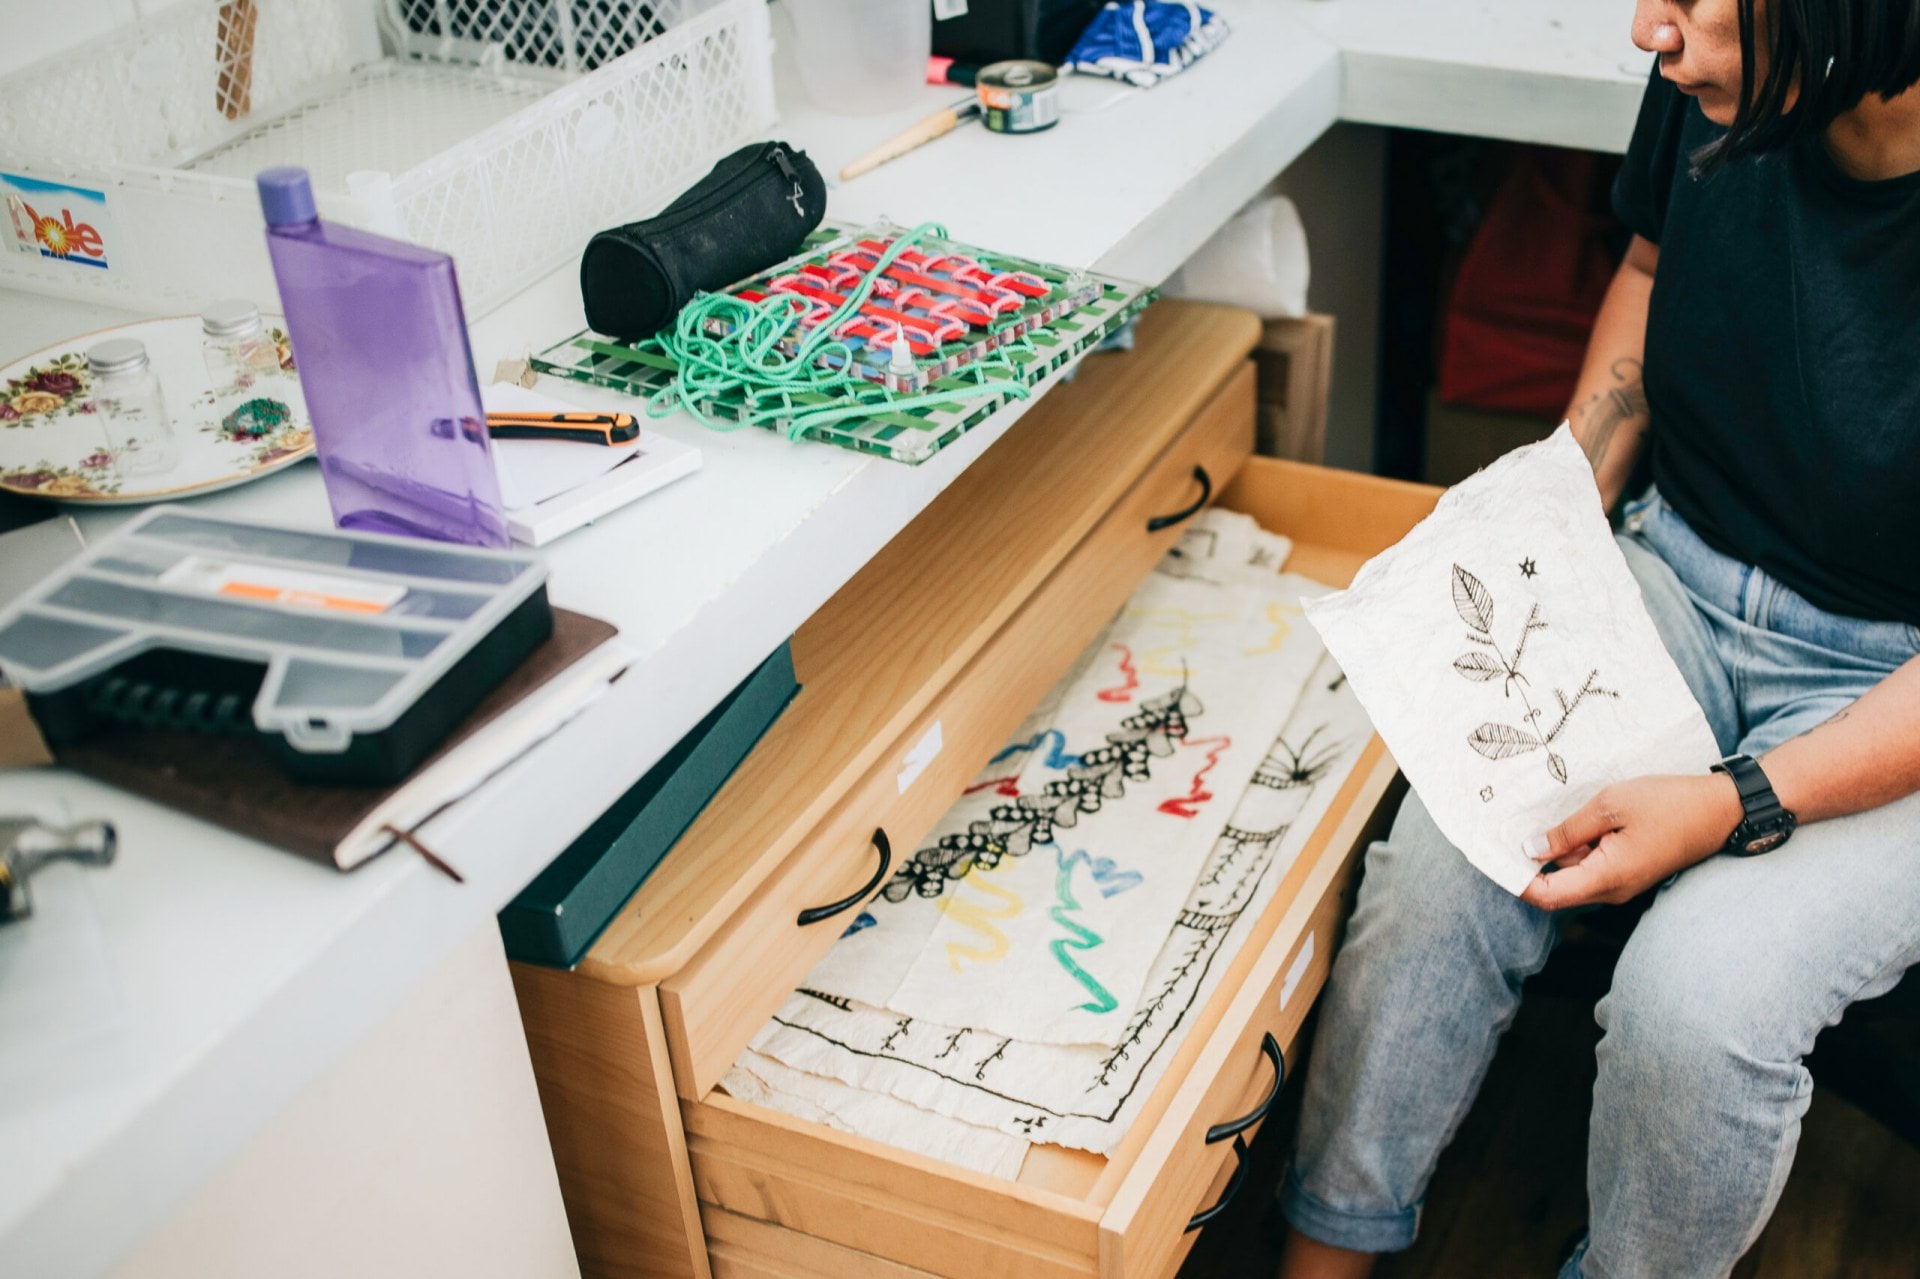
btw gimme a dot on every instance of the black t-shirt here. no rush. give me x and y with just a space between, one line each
1783 359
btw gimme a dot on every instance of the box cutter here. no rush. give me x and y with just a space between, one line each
588 428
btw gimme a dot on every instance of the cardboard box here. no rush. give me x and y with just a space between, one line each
1294 367
1462 440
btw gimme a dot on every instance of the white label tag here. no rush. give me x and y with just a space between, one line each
944 9
1296 970
269 584
924 752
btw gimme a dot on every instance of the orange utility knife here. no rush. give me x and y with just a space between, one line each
588 428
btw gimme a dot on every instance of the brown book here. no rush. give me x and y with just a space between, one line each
234 782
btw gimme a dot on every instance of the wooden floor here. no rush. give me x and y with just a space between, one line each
1509 1198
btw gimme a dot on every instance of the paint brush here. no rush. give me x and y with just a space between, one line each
935 125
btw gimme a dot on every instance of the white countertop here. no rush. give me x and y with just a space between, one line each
241 973
1561 72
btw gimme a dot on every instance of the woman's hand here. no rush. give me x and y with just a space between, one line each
1632 836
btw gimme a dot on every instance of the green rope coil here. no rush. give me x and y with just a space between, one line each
746 361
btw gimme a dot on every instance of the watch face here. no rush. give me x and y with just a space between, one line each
1764 835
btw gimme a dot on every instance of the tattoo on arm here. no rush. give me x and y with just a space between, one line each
1608 411
1834 718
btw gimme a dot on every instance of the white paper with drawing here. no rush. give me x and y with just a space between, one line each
1505 655
1034 910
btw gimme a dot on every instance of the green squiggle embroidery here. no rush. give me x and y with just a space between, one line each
1083 938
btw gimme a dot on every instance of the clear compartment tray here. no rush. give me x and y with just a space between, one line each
348 645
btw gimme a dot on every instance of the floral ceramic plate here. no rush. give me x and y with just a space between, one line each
52 444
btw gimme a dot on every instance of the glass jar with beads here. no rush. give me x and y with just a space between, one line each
254 394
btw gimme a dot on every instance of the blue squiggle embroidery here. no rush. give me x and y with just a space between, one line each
1107 877
1057 756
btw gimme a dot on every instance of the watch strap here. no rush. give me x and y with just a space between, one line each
1749 780
1764 822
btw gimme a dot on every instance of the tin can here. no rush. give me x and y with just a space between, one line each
1019 96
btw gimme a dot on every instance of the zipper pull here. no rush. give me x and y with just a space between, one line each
778 154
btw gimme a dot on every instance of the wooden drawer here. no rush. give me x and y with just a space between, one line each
1091 459
873 657
1069 1213
744 1248
714 1004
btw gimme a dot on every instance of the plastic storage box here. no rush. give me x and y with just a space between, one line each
353 655
503 132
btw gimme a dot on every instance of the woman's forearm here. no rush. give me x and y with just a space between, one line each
1866 756
1609 410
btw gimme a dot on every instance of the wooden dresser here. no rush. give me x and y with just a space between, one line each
913 675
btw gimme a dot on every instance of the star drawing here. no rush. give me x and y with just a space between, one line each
1526 568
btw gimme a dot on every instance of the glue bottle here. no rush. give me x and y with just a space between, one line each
381 342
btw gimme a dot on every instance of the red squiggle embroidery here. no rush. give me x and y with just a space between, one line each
1122 692
1188 805
1008 786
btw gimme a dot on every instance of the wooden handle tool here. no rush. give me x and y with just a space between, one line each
234 88
935 125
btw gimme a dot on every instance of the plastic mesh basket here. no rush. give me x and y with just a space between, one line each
504 133
576 36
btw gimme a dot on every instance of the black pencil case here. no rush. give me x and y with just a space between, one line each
752 211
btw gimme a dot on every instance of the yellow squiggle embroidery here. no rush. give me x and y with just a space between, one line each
974 916
1165 660
1281 615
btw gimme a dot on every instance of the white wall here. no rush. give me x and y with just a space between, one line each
33 29
1339 186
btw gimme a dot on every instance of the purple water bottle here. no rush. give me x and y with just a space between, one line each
381 343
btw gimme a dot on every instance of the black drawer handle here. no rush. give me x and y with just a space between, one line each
1159 522
1221 1131
1232 1191
818 913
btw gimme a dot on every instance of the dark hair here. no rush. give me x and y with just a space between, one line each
1834 52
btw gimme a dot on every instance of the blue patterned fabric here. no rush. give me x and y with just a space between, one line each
1145 41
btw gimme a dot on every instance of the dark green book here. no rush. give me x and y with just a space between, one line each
556 918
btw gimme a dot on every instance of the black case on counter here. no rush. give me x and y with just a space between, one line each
996 30
752 211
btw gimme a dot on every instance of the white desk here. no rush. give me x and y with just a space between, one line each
1559 73
248 973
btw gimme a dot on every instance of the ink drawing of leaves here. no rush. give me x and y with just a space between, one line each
1558 767
1471 601
1501 741
1478 667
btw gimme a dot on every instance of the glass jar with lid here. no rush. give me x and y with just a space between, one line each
125 399
254 394
236 345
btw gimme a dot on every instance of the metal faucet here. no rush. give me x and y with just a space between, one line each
27 844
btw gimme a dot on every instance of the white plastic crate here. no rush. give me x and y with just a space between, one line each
504 132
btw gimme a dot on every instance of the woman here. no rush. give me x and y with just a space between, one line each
1773 292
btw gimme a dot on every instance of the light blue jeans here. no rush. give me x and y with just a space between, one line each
1727 979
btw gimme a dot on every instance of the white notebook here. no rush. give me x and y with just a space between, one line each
551 487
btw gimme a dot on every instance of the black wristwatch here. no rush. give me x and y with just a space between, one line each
1766 825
